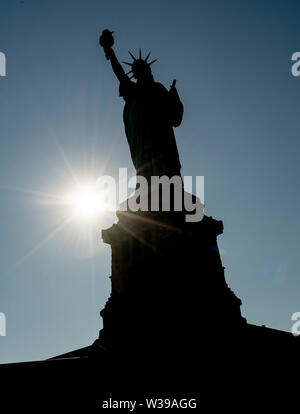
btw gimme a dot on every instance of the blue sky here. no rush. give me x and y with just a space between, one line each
60 115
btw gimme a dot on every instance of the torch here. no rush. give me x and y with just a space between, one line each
106 40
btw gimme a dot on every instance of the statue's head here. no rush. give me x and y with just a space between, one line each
140 68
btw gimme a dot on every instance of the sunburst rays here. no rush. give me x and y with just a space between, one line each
59 202
42 242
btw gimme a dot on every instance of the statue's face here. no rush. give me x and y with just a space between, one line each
141 70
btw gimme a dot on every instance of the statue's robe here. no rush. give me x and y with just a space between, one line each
150 113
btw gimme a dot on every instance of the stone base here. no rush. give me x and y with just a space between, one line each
168 285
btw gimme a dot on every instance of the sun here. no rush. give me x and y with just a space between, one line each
86 202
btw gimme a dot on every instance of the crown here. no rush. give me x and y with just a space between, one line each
139 63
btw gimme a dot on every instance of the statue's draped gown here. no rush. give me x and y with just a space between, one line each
150 113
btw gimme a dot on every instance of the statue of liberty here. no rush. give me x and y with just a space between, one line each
150 113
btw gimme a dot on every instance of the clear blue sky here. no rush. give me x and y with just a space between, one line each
59 103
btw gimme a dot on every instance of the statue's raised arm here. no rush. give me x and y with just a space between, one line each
106 40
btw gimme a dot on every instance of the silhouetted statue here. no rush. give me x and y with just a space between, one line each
150 113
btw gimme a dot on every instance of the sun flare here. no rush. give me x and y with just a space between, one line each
86 202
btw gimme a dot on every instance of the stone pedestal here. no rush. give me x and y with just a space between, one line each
168 285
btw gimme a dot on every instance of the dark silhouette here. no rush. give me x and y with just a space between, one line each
155 254
150 113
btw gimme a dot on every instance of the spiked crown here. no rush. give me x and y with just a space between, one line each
139 65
